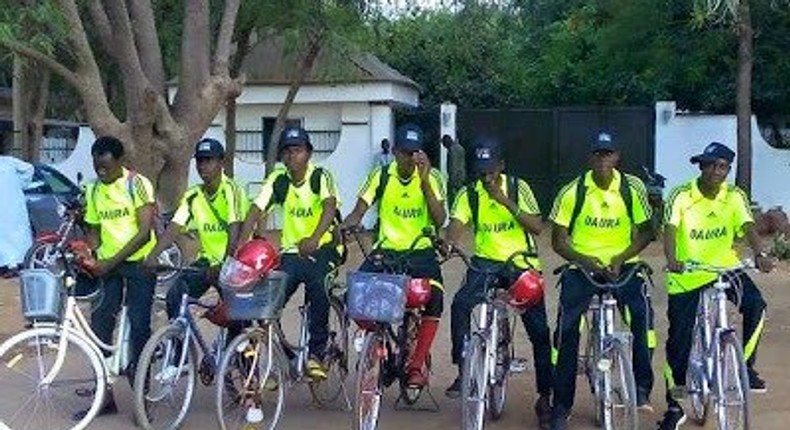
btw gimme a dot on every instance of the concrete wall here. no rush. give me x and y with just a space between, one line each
682 135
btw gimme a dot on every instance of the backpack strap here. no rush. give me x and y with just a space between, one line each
625 193
130 184
383 179
279 190
581 193
474 203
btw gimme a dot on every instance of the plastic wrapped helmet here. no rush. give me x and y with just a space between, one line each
253 261
527 291
418 292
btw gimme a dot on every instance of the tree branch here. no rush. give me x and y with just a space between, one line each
195 56
147 39
224 37
102 24
45 60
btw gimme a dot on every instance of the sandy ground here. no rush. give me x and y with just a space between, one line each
769 411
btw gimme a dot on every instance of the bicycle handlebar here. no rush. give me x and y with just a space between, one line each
507 264
609 284
696 266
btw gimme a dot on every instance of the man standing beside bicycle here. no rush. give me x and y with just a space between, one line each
214 209
411 197
119 212
601 221
308 198
503 213
703 218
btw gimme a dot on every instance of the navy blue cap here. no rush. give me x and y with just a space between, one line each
713 152
294 136
209 148
409 137
486 154
603 141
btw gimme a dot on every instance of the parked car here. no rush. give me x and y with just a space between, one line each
45 195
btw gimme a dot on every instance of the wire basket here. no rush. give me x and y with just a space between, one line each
264 301
42 295
377 297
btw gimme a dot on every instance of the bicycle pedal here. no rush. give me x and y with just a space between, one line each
518 365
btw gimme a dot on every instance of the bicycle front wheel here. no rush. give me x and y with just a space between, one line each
369 383
732 400
697 379
474 384
335 361
32 403
165 379
497 391
251 383
619 389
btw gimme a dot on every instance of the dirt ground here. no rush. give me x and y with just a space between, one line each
768 410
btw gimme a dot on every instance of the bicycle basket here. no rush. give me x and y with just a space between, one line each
42 295
376 296
264 301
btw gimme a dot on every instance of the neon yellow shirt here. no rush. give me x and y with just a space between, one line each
500 233
301 209
403 209
706 230
195 213
113 208
602 228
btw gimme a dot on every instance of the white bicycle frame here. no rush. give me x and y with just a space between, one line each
714 296
75 323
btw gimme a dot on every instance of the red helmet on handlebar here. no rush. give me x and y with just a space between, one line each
527 291
418 292
254 260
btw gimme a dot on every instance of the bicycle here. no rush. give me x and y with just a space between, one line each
607 354
174 353
260 362
489 354
60 356
377 302
717 375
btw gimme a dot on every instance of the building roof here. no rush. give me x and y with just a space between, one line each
270 63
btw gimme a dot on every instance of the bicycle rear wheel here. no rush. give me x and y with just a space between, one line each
326 391
732 400
251 383
497 391
474 385
369 388
696 378
619 389
165 379
26 359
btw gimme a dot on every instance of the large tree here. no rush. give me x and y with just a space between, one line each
158 130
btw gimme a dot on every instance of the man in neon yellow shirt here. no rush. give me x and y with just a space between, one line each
504 223
601 221
703 218
411 197
307 196
119 212
214 209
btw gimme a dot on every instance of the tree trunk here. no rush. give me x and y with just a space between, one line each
30 98
743 175
230 136
308 59
36 125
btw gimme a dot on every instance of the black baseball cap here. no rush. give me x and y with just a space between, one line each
294 136
603 141
713 152
486 154
209 148
409 137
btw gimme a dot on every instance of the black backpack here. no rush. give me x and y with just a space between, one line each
511 187
280 191
581 194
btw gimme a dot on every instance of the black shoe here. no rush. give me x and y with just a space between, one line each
643 400
558 422
674 417
109 407
756 383
543 411
454 390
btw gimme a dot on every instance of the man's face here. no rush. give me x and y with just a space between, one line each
714 173
107 168
404 158
295 157
490 176
209 168
604 161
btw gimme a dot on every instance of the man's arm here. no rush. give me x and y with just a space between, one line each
163 242
670 248
145 216
254 216
761 257
308 245
355 217
435 206
561 243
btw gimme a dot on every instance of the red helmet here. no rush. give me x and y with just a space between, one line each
254 260
527 291
418 292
